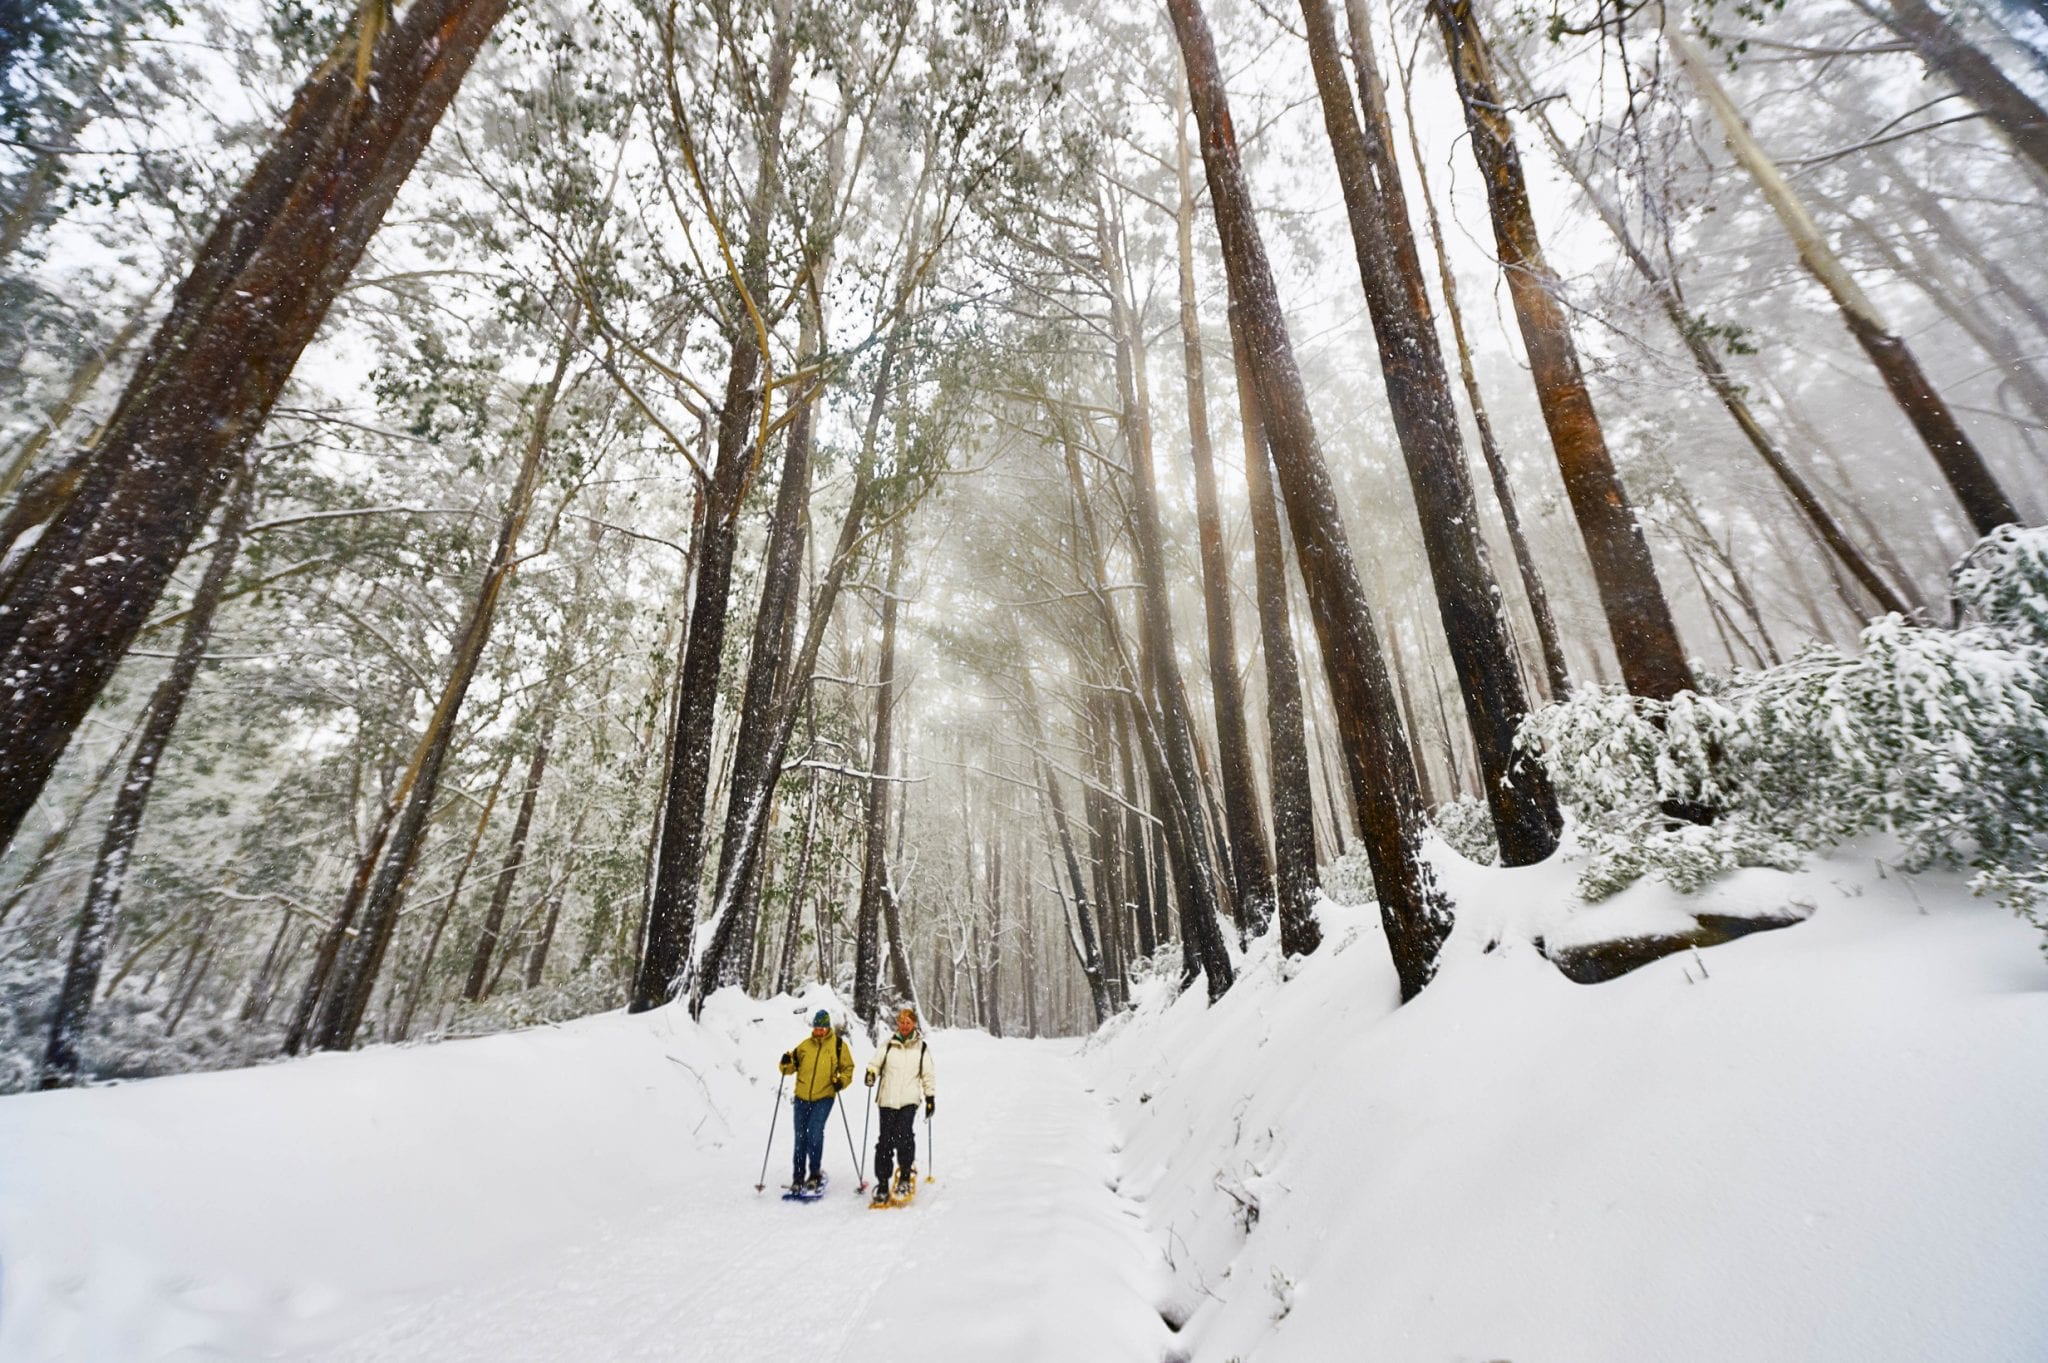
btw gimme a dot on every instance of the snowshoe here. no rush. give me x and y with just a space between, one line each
810 1190
881 1198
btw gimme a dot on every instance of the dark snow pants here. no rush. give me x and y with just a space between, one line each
898 1146
810 1135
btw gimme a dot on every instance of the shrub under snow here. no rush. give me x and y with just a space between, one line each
1938 735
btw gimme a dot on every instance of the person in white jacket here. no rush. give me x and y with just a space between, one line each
900 1073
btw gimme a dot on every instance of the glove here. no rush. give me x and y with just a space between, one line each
929 1104
788 1060
838 1087
869 1079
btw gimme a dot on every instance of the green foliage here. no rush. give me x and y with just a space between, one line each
1938 736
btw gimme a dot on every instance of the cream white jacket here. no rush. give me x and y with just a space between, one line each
904 1072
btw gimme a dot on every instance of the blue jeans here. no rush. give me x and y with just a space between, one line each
810 1135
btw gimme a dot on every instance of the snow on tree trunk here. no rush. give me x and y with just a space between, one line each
1294 834
1969 477
1416 913
258 290
1653 661
874 875
349 997
61 1057
1468 599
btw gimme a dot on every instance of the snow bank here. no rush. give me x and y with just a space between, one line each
1812 1144
227 1214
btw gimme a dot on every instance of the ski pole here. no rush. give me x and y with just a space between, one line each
865 1114
931 1148
772 1119
859 1172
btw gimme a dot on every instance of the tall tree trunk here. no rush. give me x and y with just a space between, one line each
867 961
756 756
1729 393
1251 864
537 958
449 906
785 972
1554 669
1517 790
488 938
1416 913
1294 835
2011 110
1969 477
1929 274
262 282
781 722
320 974
672 915
346 1003
1200 930
61 1059
1653 662
1143 885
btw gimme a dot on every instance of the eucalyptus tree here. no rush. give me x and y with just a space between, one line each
1639 620
1518 794
1985 501
279 254
1417 914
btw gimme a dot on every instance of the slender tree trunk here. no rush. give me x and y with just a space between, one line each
1956 243
1555 671
194 976
1137 877
1653 662
672 915
61 1058
1250 861
349 999
1200 931
867 964
2011 110
281 948
1725 389
278 256
537 958
785 972
488 939
449 906
1969 477
1294 836
1417 915
320 976
1516 788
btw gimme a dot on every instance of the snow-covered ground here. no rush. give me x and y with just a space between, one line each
1813 1144
1820 1143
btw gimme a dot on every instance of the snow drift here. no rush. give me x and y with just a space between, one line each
1812 1144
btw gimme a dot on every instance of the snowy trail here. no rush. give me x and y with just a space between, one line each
1019 1251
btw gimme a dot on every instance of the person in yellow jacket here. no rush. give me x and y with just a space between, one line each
823 1065
900 1073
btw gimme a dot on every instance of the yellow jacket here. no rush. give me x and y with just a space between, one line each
822 1068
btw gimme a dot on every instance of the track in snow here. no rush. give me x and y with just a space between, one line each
1019 1252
